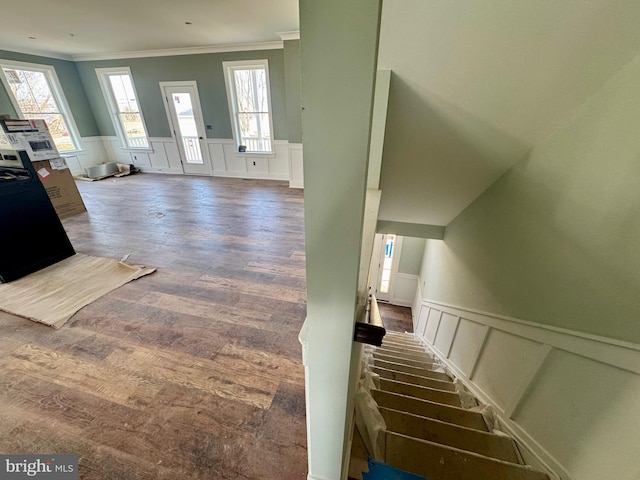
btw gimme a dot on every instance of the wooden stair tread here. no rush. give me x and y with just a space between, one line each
441 462
410 346
399 367
390 337
413 363
426 408
404 354
469 439
414 379
423 393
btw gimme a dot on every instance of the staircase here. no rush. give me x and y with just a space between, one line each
413 416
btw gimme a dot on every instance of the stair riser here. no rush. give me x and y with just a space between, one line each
423 393
439 462
404 348
402 340
424 357
488 444
398 367
444 413
414 379
412 363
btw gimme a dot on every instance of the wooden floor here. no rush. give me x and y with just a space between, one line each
395 318
193 372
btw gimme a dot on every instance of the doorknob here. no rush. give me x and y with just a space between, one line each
200 138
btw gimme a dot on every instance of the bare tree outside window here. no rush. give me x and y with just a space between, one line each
35 98
128 111
252 108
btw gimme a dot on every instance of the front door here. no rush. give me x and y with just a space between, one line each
185 119
384 265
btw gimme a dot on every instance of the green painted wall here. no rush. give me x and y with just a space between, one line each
206 70
71 85
411 255
339 52
557 239
293 87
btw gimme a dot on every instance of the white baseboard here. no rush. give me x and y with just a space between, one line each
253 176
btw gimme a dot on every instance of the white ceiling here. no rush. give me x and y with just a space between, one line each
477 83
112 26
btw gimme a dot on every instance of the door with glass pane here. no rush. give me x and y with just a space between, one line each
185 119
384 265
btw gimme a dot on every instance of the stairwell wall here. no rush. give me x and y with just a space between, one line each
552 246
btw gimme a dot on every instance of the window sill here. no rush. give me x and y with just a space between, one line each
256 154
71 153
137 150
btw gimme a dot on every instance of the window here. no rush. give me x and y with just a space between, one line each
36 94
120 95
250 104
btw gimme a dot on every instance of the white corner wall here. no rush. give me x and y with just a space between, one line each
570 399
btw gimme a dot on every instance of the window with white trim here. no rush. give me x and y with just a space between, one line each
120 94
249 97
36 93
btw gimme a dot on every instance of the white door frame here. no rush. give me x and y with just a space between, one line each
375 271
187 168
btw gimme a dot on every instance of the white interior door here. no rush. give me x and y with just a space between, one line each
185 119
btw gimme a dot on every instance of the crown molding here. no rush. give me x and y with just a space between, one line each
39 53
168 52
291 35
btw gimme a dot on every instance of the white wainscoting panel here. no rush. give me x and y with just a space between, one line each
235 164
592 403
570 399
446 333
296 169
116 152
504 361
279 165
173 156
163 157
228 162
433 322
158 158
420 321
140 159
93 153
465 351
216 153
74 164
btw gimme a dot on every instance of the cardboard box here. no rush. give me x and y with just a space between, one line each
60 186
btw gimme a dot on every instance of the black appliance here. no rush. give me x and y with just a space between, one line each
31 234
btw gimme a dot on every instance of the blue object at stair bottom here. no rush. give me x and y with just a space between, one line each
382 471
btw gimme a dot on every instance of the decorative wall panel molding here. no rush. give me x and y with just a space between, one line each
569 398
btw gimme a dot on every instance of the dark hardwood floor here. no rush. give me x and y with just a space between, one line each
396 318
193 372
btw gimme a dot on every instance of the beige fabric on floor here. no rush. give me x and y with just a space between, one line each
54 294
